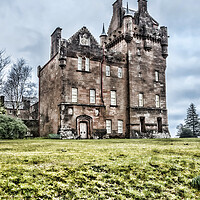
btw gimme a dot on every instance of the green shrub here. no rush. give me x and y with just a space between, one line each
54 136
11 128
2 109
187 133
196 182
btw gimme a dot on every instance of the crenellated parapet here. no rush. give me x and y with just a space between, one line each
136 24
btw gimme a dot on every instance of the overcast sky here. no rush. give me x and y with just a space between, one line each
26 26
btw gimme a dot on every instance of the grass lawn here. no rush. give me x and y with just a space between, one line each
99 169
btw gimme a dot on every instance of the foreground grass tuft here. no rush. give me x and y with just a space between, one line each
196 182
99 169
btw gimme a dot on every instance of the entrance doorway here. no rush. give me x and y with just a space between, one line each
159 119
84 127
83 130
142 125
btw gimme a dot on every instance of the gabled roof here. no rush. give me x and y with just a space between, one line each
74 38
83 41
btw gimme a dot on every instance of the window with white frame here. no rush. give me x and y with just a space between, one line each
79 63
156 76
113 99
157 101
87 64
107 70
109 126
141 100
120 126
74 95
119 72
92 96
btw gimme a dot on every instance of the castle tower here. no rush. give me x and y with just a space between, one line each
146 47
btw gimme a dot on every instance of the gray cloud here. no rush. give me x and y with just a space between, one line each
28 24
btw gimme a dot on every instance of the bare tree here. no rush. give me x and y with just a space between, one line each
4 61
18 84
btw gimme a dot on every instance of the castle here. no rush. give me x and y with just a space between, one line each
115 89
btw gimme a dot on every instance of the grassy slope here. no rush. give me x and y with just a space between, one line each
99 169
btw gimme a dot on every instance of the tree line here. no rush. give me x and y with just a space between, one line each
15 81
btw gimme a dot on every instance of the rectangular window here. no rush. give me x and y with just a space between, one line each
79 63
141 100
156 76
74 95
107 70
113 99
157 101
120 126
109 126
87 64
92 96
119 72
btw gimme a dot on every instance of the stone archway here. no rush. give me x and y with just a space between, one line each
84 126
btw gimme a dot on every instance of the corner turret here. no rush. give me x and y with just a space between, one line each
103 37
164 41
128 25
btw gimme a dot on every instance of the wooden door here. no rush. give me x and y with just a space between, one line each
83 130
